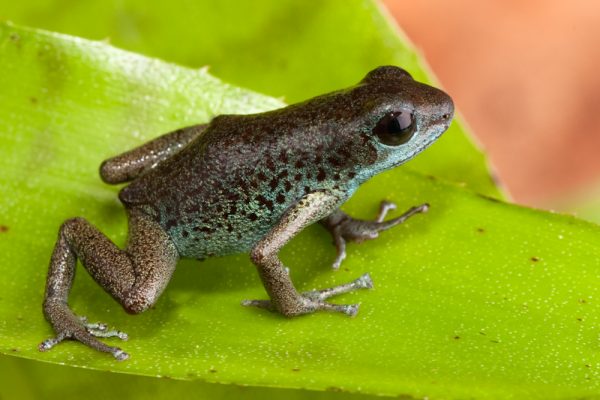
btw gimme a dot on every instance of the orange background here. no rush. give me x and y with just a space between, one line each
525 75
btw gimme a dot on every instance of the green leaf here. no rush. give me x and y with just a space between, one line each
476 299
34 380
290 48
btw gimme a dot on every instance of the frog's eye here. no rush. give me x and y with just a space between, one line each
395 128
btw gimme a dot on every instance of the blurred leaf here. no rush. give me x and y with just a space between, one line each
290 48
35 380
589 212
585 204
476 299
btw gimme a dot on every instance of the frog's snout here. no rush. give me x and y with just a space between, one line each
446 111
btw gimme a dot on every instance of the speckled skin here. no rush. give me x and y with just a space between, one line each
245 183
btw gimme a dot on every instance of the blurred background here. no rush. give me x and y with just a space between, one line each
524 75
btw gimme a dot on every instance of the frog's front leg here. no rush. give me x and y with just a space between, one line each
135 276
343 227
275 277
131 164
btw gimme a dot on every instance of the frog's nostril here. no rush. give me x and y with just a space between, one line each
446 116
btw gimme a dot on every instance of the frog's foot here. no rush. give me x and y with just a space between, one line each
68 326
343 227
314 300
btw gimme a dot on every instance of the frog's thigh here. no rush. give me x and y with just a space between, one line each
135 277
154 257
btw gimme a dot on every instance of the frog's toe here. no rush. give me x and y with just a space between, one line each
360 230
384 207
317 297
99 329
89 338
51 342
266 304
348 309
362 282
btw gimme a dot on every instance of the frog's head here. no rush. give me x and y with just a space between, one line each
401 116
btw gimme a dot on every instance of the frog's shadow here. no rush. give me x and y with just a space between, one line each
234 273
237 272
221 274
211 275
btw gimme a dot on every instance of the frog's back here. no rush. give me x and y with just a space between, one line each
229 187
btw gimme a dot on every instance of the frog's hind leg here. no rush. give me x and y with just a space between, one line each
135 276
343 227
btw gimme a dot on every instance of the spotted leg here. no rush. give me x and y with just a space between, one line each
135 277
343 227
283 295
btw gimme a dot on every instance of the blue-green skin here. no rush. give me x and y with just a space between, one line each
231 185
245 183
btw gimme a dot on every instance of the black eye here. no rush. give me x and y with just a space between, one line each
395 128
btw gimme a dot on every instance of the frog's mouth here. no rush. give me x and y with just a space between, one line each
438 127
443 123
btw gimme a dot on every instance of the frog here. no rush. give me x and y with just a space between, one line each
247 184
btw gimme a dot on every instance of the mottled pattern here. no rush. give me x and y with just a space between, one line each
222 194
